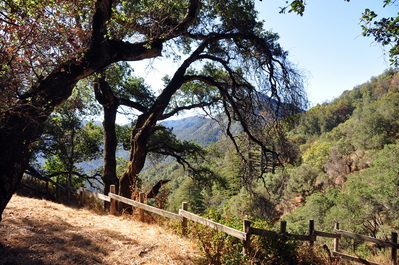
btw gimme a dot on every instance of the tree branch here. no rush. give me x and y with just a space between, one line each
170 30
102 14
192 106
131 104
190 17
126 51
36 174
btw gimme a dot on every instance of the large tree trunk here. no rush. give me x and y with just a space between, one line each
20 126
110 103
110 144
143 129
14 154
128 182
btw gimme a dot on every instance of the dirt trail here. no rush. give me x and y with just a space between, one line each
37 231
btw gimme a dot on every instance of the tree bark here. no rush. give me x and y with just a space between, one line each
143 129
110 103
22 124
110 144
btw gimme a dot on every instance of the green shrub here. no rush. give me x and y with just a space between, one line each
220 248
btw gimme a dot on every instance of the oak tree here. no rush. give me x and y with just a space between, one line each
227 57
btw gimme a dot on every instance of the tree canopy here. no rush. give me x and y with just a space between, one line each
47 47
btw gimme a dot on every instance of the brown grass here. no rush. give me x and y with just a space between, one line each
35 231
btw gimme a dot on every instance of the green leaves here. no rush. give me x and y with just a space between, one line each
388 2
317 154
67 141
360 158
126 86
150 19
298 6
39 35
385 31
244 22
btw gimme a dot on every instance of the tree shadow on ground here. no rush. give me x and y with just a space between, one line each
54 242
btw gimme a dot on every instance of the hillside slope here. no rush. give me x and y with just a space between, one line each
42 232
200 130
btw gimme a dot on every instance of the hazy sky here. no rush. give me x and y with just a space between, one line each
325 44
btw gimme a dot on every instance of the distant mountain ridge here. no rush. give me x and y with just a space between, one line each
200 130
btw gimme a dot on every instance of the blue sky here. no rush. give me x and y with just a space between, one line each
327 45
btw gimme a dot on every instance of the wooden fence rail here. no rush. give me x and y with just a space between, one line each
146 207
245 235
367 238
84 192
222 228
391 244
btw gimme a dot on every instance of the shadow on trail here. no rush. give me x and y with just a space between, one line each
53 241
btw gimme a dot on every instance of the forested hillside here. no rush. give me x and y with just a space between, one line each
342 165
200 130
349 154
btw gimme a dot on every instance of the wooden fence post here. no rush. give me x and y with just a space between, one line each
141 211
394 253
82 195
112 209
184 207
311 232
336 240
246 227
283 229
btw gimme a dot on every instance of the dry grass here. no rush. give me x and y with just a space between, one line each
37 231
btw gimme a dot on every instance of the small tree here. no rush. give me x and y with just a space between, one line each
67 141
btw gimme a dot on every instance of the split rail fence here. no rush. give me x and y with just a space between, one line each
183 216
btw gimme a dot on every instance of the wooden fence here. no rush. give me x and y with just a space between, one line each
248 231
